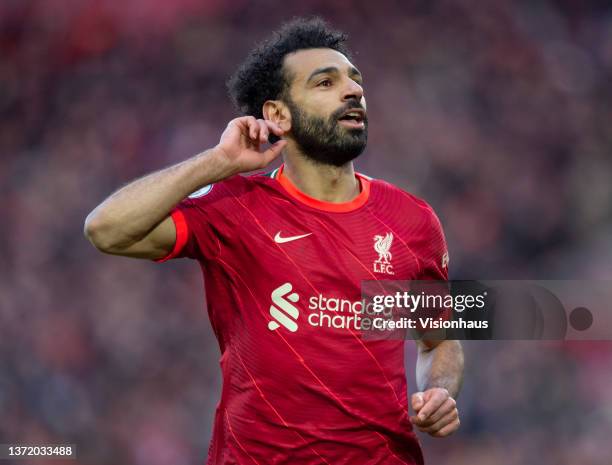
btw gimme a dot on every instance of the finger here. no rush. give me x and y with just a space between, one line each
275 128
273 151
441 423
447 407
417 401
436 399
448 429
423 423
244 124
253 127
263 131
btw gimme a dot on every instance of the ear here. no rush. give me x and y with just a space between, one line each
277 111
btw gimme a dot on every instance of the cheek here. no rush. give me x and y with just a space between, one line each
321 104
320 108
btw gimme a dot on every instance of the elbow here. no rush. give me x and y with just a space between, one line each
100 233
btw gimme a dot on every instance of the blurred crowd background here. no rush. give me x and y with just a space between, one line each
499 114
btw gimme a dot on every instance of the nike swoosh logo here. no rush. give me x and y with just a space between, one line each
281 240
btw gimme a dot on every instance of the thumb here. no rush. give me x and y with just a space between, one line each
274 151
417 401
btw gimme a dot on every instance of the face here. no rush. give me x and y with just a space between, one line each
326 106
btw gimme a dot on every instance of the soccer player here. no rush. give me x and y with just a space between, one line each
283 256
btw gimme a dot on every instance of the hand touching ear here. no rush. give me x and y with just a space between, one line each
241 142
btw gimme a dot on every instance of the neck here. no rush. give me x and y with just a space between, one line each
336 184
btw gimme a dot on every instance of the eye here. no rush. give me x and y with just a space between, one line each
324 83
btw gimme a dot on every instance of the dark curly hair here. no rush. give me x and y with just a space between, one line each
261 77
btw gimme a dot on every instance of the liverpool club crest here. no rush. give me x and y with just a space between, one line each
382 245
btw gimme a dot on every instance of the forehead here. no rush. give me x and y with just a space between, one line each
302 63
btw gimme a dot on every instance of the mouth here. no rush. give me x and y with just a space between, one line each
353 118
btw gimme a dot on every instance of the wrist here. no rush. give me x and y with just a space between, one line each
223 164
203 169
214 165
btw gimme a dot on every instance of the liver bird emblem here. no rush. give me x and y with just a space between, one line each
382 244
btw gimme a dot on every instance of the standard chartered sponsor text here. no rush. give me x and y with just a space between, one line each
333 312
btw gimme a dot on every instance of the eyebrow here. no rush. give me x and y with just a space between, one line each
331 69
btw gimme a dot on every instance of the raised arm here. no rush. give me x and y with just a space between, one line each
135 221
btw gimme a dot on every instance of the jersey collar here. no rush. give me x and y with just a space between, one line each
354 204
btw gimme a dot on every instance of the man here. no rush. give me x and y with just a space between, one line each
280 251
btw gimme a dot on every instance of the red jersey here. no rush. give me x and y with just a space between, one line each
282 274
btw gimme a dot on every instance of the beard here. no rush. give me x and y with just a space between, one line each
326 141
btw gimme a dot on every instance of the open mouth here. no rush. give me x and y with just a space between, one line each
353 119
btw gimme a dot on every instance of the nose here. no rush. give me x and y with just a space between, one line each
352 91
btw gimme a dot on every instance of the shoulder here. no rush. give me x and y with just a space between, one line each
408 202
421 223
234 186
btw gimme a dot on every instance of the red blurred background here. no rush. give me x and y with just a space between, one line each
497 113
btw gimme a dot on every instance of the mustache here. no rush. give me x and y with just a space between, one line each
350 105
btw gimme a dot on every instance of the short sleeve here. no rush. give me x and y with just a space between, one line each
182 236
436 253
195 238
436 264
201 219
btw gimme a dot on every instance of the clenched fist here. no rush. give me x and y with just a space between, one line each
240 144
436 412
